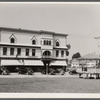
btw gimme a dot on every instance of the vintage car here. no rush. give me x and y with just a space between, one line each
53 71
73 71
4 71
25 70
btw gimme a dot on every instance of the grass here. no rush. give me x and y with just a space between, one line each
49 85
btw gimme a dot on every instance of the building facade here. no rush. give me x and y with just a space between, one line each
74 63
20 47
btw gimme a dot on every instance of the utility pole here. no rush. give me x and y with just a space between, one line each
97 38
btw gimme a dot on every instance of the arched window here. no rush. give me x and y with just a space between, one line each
49 42
12 40
34 42
57 43
44 42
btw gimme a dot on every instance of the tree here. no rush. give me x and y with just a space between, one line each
76 55
68 46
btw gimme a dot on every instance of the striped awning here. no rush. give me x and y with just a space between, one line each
58 63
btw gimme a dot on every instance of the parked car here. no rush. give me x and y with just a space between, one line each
73 71
53 71
4 71
25 70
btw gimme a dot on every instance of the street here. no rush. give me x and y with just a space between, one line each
47 84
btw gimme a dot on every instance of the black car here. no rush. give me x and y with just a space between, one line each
73 71
4 71
53 71
24 70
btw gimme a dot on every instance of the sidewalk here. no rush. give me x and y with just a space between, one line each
16 75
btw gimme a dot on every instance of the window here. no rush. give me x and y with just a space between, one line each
67 53
12 40
18 51
62 53
57 53
34 42
4 51
84 69
33 52
27 52
57 43
49 42
11 51
44 42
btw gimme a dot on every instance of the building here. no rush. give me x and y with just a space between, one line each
21 47
74 63
89 63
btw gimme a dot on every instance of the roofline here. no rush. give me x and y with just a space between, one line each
30 31
18 30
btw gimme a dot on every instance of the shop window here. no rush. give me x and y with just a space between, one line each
4 50
11 51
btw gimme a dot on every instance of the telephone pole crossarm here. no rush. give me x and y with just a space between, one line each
97 37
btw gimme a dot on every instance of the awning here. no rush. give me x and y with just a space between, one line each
20 62
58 63
11 62
33 62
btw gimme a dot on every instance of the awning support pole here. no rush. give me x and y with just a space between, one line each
47 69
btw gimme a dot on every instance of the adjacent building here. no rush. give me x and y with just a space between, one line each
21 47
74 63
89 63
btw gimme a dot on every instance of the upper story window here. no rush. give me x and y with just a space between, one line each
18 51
67 53
44 42
12 38
34 40
62 53
4 50
27 52
57 42
11 51
33 52
47 42
57 53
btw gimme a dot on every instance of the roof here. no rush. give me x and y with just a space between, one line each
74 61
29 31
90 56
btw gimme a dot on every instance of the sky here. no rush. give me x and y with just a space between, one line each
80 21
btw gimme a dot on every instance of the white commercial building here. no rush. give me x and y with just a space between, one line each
20 47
